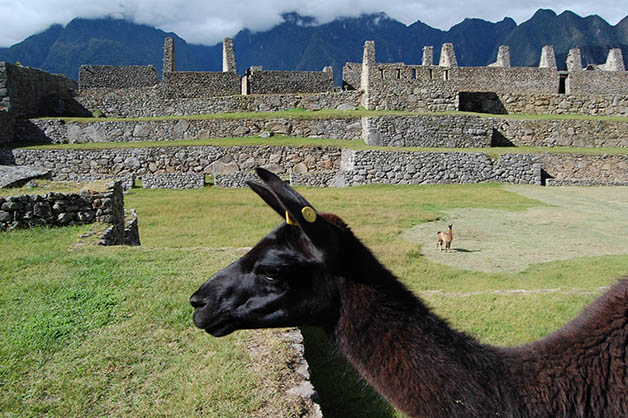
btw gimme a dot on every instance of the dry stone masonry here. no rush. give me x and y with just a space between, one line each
398 167
173 181
62 209
117 77
498 88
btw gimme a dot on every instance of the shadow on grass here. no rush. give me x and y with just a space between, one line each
464 250
342 393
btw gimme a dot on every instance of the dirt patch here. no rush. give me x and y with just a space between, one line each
570 222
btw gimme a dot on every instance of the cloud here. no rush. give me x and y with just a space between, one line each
208 21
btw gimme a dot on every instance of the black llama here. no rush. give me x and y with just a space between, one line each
312 270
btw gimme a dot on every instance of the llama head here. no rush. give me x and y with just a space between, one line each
286 279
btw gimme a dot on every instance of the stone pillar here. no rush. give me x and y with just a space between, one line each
614 60
170 62
503 57
368 61
228 56
428 56
548 59
574 60
447 56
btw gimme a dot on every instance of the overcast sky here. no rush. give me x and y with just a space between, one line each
209 21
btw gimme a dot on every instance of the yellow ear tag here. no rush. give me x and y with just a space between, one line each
289 220
309 214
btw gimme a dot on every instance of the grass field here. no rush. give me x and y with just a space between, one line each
94 331
299 113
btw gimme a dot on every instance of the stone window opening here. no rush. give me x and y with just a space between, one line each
446 75
414 73
381 73
562 84
431 74
398 74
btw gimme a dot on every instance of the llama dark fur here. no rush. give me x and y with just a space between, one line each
314 271
426 369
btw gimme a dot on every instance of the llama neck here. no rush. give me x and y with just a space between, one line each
412 357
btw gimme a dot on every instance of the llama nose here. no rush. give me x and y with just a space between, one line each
197 301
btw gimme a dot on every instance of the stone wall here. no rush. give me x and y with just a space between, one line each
498 79
173 181
7 126
563 132
32 92
598 82
320 179
61 209
546 103
69 164
428 131
183 84
410 88
594 169
351 75
117 76
235 180
58 131
28 92
398 167
151 102
461 131
282 82
315 165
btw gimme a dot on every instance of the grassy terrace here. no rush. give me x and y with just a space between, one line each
321 142
298 113
95 331
288 141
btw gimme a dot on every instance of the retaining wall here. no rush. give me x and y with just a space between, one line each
586 169
552 133
462 131
450 131
398 167
69 164
59 131
315 165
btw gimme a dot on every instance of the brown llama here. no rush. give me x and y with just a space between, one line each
445 238
312 270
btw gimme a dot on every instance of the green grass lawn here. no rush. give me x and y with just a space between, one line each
95 331
299 113
289 141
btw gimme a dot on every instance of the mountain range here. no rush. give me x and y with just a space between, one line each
299 43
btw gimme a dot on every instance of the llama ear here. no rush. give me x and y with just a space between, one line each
267 196
296 209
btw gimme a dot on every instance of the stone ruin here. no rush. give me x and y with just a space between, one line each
136 91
